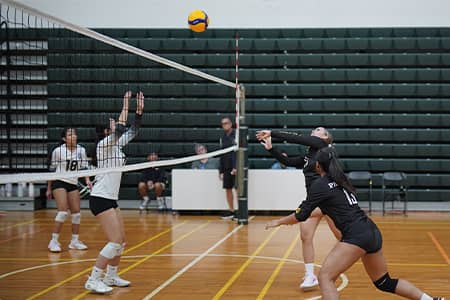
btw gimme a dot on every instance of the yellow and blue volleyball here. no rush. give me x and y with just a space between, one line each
198 21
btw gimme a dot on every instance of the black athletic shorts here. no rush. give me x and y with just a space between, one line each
228 180
365 235
58 184
99 204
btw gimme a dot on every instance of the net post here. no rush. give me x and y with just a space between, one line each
8 95
242 161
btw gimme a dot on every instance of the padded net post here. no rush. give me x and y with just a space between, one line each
242 160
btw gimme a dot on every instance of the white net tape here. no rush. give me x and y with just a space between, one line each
45 176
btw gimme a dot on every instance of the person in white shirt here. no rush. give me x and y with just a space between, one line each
68 157
104 196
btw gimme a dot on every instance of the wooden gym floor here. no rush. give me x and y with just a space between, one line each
204 257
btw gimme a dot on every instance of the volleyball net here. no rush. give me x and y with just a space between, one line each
58 75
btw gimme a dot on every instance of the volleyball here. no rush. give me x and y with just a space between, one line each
198 21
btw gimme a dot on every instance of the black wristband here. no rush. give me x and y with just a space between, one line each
137 120
120 129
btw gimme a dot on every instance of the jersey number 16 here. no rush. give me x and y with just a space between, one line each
350 198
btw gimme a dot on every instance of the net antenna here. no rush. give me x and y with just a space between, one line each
241 129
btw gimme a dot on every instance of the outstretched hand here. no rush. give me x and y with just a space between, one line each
140 103
267 143
263 134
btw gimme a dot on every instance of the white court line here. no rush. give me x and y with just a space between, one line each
343 284
192 263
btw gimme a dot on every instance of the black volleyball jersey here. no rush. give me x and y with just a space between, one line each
307 162
340 205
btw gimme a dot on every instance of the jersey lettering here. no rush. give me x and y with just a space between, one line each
350 197
332 185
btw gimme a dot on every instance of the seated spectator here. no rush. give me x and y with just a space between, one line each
206 163
152 179
279 166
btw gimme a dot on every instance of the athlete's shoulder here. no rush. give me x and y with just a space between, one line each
59 148
320 183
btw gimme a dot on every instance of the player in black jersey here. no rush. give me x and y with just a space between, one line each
319 138
335 196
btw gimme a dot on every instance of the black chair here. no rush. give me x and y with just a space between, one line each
394 187
362 178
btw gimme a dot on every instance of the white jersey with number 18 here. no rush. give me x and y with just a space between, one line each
67 160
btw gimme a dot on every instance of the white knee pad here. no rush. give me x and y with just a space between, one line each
76 218
110 250
61 216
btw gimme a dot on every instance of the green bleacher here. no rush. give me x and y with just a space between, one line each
383 92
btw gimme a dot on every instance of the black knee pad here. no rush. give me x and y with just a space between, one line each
386 284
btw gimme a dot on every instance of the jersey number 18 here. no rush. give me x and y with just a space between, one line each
71 165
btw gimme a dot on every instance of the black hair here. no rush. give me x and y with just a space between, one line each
228 118
327 158
63 134
99 135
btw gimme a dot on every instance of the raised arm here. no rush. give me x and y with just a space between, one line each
296 161
292 137
132 132
124 113
119 127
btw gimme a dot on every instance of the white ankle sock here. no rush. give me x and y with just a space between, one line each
426 297
96 273
111 270
309 269
75 237
55 236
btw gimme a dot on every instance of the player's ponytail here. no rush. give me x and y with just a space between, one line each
328 159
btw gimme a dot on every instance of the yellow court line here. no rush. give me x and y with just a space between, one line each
17 224
277 269
439 247
56 285
244 266
24 259
81 295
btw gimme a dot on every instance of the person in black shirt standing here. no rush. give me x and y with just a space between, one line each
227 166
333 193
319 138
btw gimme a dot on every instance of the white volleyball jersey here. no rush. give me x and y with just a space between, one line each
67 160
110 155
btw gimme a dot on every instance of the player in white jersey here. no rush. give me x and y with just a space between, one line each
104 196
68 157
